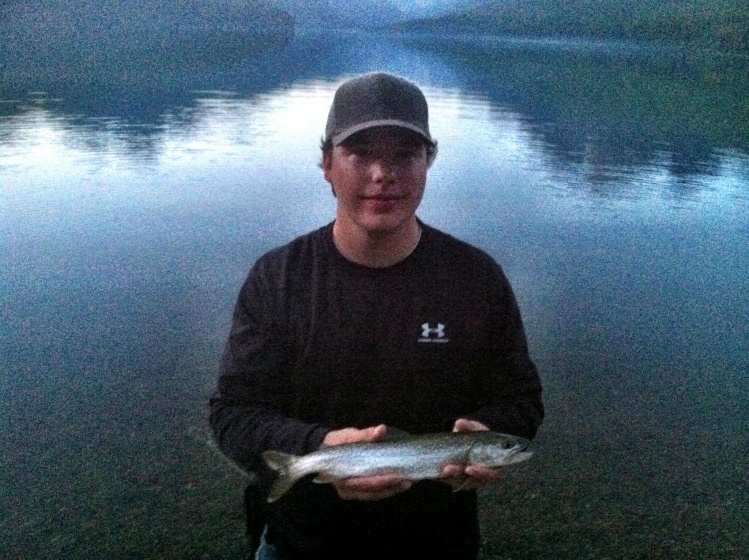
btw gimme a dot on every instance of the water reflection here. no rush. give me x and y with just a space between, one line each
603 116
603 111
129 218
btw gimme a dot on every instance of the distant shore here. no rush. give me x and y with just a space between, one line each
722 25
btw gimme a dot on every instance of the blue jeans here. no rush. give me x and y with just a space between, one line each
266 551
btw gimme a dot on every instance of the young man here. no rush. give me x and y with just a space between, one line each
372 321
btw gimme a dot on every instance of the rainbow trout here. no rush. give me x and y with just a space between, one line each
413 457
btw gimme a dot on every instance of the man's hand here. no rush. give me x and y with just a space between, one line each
472 476
367 488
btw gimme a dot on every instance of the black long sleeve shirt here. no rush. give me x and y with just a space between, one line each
320 343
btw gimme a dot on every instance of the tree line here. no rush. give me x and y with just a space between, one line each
718 24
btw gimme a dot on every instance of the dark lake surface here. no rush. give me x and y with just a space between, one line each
611 180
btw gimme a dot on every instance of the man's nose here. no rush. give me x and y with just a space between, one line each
383 169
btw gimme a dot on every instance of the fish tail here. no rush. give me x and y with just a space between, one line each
283 465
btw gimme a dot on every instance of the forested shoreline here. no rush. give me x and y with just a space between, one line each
720 24
80 42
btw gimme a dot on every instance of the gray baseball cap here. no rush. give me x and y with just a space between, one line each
377 99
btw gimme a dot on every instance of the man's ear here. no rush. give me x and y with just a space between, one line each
326 165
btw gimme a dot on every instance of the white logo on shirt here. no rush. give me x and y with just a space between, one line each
433 334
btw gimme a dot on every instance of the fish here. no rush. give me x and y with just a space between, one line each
414 457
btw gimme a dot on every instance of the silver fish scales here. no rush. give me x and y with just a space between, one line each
412 457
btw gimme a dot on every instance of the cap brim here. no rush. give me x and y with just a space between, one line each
341 136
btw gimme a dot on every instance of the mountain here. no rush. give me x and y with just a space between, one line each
368 13
413 9
79 41
721 24
113 16
342 13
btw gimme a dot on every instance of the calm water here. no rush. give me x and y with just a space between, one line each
610 180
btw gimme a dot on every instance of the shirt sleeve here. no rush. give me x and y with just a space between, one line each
509 380
243 412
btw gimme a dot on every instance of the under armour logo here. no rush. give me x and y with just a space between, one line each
433 334
427 330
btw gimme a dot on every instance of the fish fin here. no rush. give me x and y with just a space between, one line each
324 478
519 457
396 434
463 484
282 464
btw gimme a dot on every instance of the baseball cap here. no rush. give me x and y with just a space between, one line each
377 99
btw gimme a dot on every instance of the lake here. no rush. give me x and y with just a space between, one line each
610 180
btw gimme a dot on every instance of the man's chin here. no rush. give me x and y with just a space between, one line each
385 227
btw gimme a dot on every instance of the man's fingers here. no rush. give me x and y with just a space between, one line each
484 475
470 477
452 470
375 433
465 425
354 435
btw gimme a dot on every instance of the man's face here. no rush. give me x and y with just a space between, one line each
378 176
